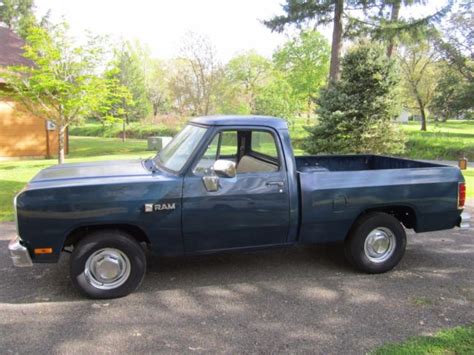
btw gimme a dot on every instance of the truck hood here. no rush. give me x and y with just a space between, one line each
66 174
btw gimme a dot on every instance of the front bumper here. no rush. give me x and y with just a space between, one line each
464 220
19 253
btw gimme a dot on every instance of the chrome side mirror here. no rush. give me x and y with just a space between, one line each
224 168
220 168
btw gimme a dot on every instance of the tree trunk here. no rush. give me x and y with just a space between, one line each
308 114
123 130
336 41
393 18
423 114
61 130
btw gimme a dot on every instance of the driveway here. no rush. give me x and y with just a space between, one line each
294 300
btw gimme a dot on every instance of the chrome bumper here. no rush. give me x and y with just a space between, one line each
464 220
19 254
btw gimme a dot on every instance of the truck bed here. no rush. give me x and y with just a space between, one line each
356 162
335 190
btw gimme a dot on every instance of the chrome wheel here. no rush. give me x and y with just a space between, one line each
379 245
107 269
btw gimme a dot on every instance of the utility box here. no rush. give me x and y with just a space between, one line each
158 143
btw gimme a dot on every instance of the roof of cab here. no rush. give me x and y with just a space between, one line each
269 121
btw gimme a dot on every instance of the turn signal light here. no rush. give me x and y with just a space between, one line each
461 195
39 251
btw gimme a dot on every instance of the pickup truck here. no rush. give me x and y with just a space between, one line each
225 184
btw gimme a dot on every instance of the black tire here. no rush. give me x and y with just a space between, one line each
355 243
115 240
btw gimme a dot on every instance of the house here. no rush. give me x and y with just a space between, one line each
404 116
22 135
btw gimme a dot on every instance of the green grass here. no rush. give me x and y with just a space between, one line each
444 140
459 340
81 147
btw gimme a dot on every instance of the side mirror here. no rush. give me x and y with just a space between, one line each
224 168
220 168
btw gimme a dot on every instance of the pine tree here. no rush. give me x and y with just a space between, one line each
355 114
378 19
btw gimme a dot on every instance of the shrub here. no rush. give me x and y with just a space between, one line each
355 113
136 131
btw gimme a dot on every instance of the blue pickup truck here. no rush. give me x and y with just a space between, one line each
225 184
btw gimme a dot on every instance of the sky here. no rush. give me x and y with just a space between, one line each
233 26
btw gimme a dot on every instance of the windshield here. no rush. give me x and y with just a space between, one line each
177 152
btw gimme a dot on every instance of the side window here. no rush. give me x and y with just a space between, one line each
261 154
222 146
264 143
228 148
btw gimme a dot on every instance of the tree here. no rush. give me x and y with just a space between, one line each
115 101
304 60
355 114
129 70
383 22
17 15
322 12
454 44
61 86
453 95
157 86
247 73
361 16
417 62
277 99
197 77
454 41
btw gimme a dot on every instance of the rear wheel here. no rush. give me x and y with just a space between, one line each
107 264
376 243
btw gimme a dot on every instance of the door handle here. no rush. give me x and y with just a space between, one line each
275 183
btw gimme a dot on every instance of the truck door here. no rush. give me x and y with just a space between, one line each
248 210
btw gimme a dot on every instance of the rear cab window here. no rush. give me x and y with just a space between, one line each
263 143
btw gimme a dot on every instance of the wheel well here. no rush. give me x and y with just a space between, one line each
80 232
406 215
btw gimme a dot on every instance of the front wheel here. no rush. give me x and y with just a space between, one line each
376 243
107 264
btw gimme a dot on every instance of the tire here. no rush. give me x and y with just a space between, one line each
376 243
107 264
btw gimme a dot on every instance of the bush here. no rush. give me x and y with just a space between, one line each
135 130
355 113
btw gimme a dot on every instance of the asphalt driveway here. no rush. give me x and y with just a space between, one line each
294 300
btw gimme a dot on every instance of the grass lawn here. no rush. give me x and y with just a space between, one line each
459 340
444 140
